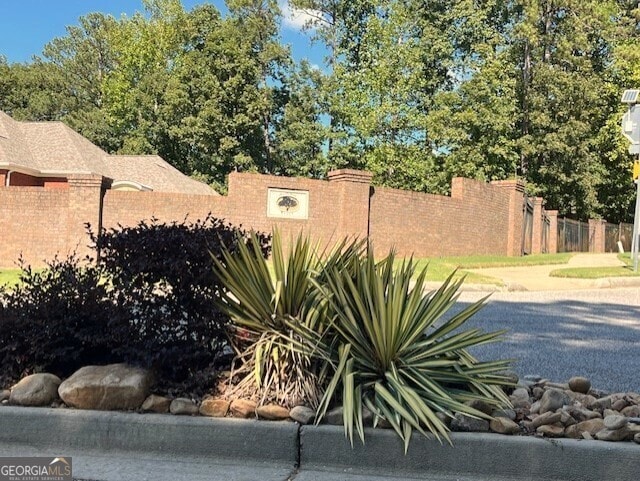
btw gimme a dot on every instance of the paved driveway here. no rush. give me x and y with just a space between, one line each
559 334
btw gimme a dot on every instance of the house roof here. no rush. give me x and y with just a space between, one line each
166 178
53 149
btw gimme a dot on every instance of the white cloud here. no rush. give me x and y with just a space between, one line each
297 19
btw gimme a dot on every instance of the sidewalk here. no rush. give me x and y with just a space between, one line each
536 278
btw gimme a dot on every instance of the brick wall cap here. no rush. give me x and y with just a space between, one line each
517 184
350 175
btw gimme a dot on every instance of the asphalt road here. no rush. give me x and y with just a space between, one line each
557 335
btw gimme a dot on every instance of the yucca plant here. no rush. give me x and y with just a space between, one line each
392 353
269 310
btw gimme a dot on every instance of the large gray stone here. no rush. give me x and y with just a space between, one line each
553 399
334 416
615 422
35 390
111 387
302 414
464 423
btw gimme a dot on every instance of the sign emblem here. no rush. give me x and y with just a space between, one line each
288 203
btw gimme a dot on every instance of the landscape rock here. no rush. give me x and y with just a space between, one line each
503 425
481 406
110 387
215 408
553 399
545 418
579 384
446 420
602 403
35 390
4 394
612 434
504 413
581 414
551 430
272 412
591 426
632 429
535 408
183 406
556 385
243 408
464 423
537 392
334 416
302 414
636 438
520 394
631 411
567 419
615 422
156 404
619 405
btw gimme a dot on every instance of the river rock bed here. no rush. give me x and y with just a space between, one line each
539 407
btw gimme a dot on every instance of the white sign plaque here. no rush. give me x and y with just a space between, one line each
288 204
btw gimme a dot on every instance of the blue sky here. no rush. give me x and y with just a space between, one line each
27 25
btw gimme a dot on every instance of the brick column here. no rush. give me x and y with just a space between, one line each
514 190
536 236
352 192
85 206
552 241
597 235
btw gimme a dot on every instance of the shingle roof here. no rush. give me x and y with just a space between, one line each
165 177
53 149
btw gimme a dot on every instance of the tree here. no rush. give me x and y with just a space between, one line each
83 60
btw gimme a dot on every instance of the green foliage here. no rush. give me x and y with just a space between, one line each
343 328
150 301
394 354
274 363
417 92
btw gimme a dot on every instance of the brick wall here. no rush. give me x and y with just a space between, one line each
34 222
478 218
474 220
129 207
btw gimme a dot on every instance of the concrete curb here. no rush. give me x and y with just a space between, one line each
312 449
477 455
222 438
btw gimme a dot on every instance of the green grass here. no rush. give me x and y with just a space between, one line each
9 276
441 267
599 272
